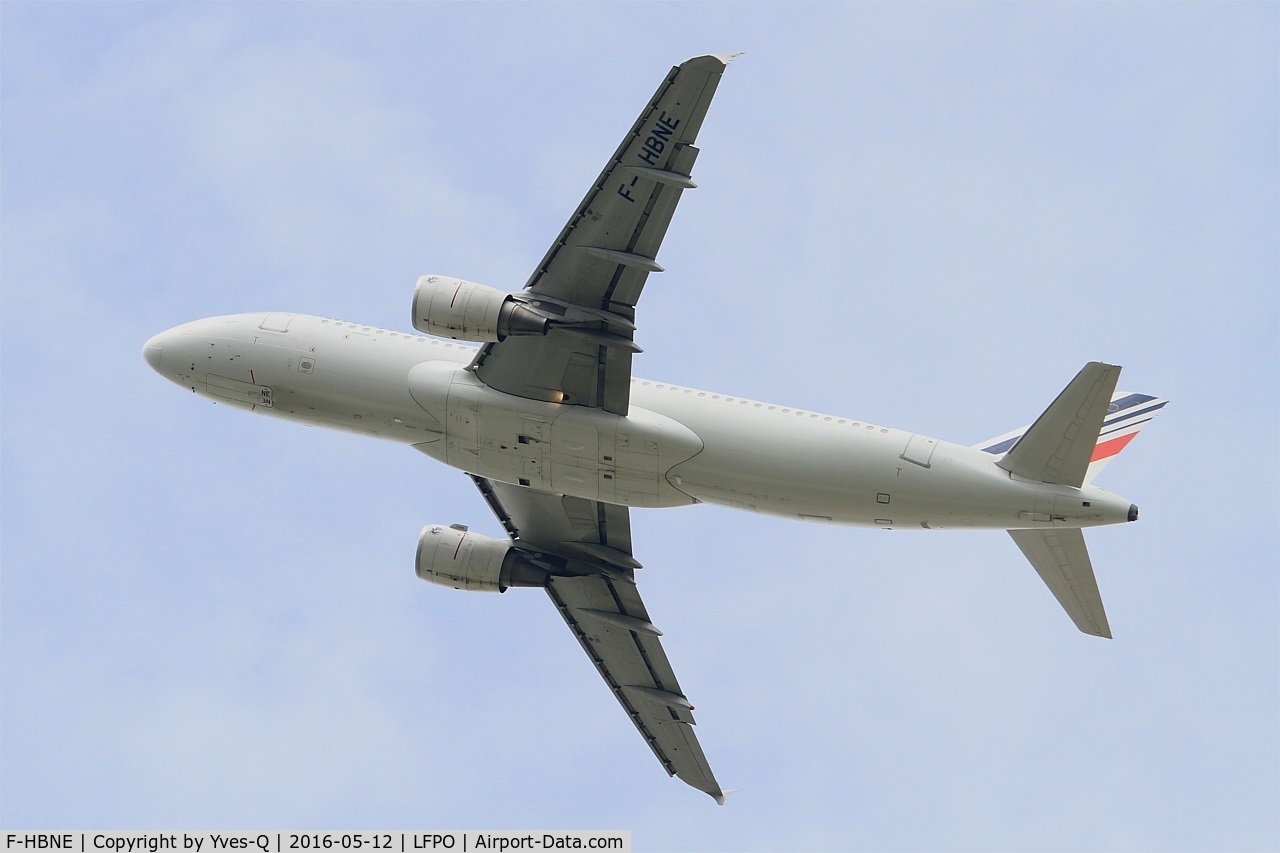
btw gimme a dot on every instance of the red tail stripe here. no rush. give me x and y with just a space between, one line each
1106 449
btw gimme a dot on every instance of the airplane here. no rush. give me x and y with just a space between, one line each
548 422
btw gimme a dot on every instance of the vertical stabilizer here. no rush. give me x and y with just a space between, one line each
1062 560
1126 416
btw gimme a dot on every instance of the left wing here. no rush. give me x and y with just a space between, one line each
593 273
588 546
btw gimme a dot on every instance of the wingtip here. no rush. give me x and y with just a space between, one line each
722 795
723 58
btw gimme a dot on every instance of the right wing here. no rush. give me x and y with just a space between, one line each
595 591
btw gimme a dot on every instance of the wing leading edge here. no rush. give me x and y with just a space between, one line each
589 545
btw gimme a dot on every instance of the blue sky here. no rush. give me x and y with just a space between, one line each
923 215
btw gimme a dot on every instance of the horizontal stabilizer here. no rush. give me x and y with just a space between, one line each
1062 560
1059 445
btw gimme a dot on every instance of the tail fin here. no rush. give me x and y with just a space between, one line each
1127 414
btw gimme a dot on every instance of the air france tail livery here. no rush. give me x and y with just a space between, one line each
561 441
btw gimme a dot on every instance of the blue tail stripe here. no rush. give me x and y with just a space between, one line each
1123 415
1125 427
1130 400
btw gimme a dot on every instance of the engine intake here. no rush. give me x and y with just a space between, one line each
455 557
466 311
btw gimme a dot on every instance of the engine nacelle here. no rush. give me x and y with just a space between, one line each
466 311
455 557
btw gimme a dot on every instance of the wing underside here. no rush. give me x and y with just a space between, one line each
595 270
593 587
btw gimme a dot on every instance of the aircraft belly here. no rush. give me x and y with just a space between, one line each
672 449
857 482
818 468
346 387
806 482
574 450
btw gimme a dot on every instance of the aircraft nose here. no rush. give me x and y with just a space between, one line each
151 351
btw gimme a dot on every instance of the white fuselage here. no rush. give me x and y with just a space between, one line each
677 445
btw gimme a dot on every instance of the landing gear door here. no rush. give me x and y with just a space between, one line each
533 451
575 455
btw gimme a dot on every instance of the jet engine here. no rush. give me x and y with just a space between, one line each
455 557
466 311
